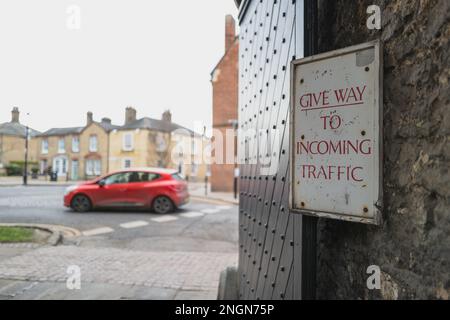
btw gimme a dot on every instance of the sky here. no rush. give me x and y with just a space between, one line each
60 59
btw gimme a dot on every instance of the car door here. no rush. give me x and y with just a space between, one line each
112 191
140 188
152 188
134 194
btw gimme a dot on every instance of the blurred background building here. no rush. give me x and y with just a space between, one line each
225 82
12 144
97 148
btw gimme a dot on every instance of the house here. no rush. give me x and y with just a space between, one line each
78 152
148 142
12 141
83 153
224 79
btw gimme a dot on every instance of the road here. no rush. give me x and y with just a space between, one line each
201 237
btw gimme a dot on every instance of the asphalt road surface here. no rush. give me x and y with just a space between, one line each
201 226
122 254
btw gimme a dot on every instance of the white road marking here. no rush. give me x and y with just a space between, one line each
97 231
223 207
166 218
208 211
134 224
192 214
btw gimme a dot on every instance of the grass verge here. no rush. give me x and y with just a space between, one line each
15 234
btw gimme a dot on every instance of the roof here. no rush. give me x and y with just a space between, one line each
107 126
143 123
76 130
61 131
16 129
154 124
236 39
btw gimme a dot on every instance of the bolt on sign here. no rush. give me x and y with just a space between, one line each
336 141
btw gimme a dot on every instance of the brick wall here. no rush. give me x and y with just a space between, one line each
225 104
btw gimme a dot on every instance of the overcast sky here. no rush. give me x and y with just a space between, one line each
153 55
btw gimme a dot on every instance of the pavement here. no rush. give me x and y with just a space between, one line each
119 255
41 181
199 191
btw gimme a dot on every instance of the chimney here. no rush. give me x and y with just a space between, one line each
15 115
106 120
90 118
230 31
167 116
130 115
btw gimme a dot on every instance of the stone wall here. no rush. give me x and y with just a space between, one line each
412 246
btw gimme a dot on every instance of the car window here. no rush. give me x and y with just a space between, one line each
178 177
134 177
117 178
131 177
149 176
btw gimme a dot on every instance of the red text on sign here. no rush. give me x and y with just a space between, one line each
348 173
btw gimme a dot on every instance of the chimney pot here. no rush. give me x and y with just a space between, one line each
167 116
130 115
106 120
15 115
90 118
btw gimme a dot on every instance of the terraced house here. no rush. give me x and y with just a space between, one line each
148 142
12 141
83 153
76 153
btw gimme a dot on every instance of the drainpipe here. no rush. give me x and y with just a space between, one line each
25 169
107 151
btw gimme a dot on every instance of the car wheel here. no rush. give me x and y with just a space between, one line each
81 203
162 205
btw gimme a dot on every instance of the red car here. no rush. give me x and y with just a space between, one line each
161 190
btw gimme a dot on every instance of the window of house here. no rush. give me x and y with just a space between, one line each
61 145
44 146
75 144
193 147
194 169
93 167
127 142
93 145
127 163
97 167
160 141
89 167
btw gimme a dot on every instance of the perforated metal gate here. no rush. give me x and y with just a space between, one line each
271 238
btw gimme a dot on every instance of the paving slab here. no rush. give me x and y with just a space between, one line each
107 273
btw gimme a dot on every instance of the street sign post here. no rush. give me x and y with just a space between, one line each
336 134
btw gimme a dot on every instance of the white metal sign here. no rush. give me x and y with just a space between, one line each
336 126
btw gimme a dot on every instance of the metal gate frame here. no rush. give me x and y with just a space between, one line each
277 257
